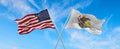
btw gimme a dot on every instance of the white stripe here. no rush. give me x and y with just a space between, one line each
30 20
30 29
46 24
20 30
27 17
25 23
23 29
52 26
39 23
26 31
41 27
45 21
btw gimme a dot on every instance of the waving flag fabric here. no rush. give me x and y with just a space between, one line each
34 21
86 21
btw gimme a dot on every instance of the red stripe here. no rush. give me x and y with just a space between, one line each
27 20
45 25
41 25
38 24
26 31
22 26
33 20
30 22
24 20
20 30
34 24
25 17
50 26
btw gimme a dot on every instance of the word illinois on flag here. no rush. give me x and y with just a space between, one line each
86 21
34 21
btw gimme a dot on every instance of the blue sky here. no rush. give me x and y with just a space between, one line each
59 11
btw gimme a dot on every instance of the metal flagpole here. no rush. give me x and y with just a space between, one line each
60 35
63 29
56 30
59 39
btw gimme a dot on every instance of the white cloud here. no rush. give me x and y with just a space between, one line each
33 3
4 2
12 18
15 48
61 9
17 6
21 6
82 40
117 29
44 3
57 10
83 4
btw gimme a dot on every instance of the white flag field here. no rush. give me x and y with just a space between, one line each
85 21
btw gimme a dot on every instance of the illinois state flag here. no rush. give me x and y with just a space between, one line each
34 21
86 21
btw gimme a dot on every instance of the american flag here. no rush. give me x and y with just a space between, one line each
34 21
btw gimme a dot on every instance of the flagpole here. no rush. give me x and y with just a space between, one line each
57 31
62 30
60 33
59 36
